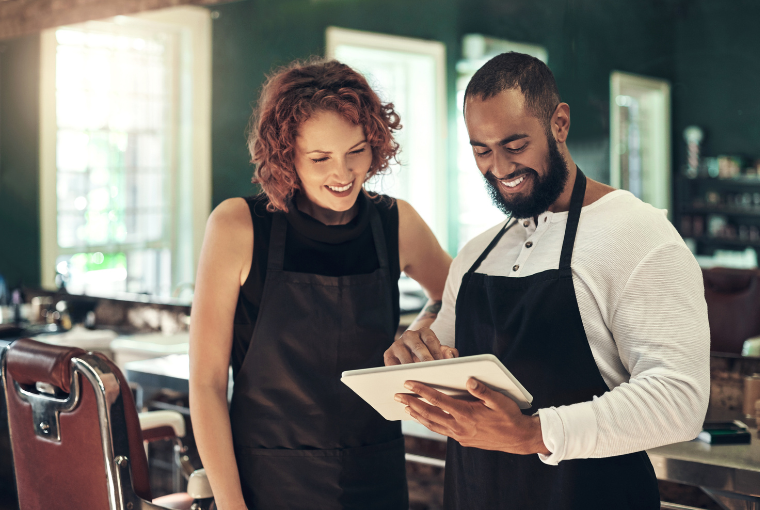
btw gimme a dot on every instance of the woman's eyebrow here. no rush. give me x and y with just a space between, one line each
358 143
330 152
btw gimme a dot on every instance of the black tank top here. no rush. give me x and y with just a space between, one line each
315 248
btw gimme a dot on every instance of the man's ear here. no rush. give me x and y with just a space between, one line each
560 122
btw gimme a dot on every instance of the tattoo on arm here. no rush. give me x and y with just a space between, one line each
434 307
431 310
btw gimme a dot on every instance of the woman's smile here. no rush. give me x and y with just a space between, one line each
340 190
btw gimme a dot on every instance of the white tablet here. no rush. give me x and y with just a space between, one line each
377 386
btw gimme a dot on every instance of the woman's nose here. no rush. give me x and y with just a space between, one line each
343 170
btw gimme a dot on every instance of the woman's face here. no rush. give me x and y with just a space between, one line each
332 160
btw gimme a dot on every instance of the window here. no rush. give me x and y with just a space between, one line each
640 137
410 73
476 210
125 148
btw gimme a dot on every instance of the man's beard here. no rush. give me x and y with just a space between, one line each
545 191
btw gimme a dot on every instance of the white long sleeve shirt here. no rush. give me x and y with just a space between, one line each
641 300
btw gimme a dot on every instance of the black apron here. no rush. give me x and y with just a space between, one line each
533 325
302 438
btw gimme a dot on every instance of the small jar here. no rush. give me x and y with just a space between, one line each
751 394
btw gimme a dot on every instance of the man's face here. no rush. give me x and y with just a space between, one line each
525 172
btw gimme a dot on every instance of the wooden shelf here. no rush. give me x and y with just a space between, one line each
719 241
736 181
753 212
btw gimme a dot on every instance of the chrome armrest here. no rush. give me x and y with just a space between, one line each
675 506
198 486
155 419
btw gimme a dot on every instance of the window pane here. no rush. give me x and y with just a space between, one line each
113 101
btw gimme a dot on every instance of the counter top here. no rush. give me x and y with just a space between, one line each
731 468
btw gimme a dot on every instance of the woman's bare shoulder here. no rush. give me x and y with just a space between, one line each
406 212
232 216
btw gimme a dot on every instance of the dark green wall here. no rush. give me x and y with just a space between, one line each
586 41
253 37
717 60
707 49
19 161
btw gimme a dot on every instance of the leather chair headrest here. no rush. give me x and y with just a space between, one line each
729 281
29 362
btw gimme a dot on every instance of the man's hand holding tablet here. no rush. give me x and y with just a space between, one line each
492 422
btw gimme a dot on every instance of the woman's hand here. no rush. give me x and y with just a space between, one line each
420 345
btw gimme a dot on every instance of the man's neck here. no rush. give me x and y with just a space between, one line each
563 201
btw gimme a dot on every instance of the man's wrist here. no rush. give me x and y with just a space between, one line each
536 444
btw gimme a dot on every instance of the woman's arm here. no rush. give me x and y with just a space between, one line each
223 266
422 259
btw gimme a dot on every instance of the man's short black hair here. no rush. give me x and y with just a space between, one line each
517 71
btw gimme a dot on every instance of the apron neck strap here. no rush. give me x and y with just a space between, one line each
573 217
378 236
509 224
276 258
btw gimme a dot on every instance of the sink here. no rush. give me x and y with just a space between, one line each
148 346
88 339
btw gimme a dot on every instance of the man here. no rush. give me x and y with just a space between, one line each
586 294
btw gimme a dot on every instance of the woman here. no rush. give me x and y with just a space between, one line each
297 285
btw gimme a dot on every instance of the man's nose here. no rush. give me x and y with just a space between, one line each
502 165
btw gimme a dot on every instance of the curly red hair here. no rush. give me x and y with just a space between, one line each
293 94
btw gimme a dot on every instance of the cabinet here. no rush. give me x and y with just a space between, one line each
719 213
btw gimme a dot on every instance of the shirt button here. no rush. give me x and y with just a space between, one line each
528 244
526 223
515 267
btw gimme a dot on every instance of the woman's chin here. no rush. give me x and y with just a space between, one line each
340 203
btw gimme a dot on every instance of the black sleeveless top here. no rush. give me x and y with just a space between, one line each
315 248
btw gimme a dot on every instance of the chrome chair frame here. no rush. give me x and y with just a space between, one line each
112 424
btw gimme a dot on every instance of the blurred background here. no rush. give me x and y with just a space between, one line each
119 135
123 124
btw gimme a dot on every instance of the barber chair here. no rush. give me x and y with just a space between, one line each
733 307
76 437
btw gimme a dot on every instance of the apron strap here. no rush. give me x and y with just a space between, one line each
494 242
276 259
573 217
378 235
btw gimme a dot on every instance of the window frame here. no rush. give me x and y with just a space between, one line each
660 174
192 27
336 36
